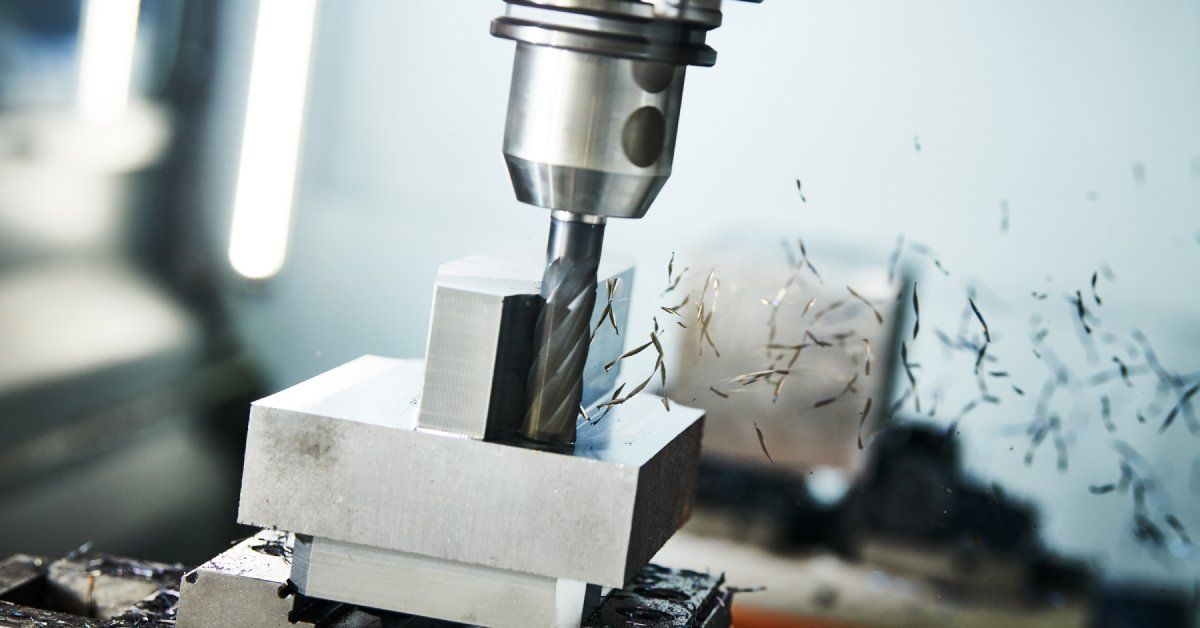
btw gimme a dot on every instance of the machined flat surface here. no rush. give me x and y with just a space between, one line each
240 587
431 587
338 457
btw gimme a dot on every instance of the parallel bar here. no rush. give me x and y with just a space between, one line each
431 587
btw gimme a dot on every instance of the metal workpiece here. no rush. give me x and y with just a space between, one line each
481 342
563 333
248 586
241 587
436 588
339 457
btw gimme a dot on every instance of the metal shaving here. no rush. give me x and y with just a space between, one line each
763 443
849 386
746 379
704 319
817 341
862 418
928 252
987 335
806 262
674 309
894 260
828 308
611 402
1177 527
608 309
630 353
908 371
916 312
878 316
1183 401
672 278
1081 312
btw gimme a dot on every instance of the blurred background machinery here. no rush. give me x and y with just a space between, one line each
121 386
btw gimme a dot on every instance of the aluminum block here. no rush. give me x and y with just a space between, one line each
240 587
480 347
432 587
339 456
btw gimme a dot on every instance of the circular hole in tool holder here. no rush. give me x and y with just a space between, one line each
652 76
643 134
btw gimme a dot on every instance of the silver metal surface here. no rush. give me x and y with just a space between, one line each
563 333
432 587
339 457
594 103
667 31
589 133
481 337
240 588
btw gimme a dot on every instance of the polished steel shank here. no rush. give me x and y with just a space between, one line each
591 134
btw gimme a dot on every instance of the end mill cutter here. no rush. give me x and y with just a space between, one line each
592 114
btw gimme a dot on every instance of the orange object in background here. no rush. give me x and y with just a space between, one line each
750 617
